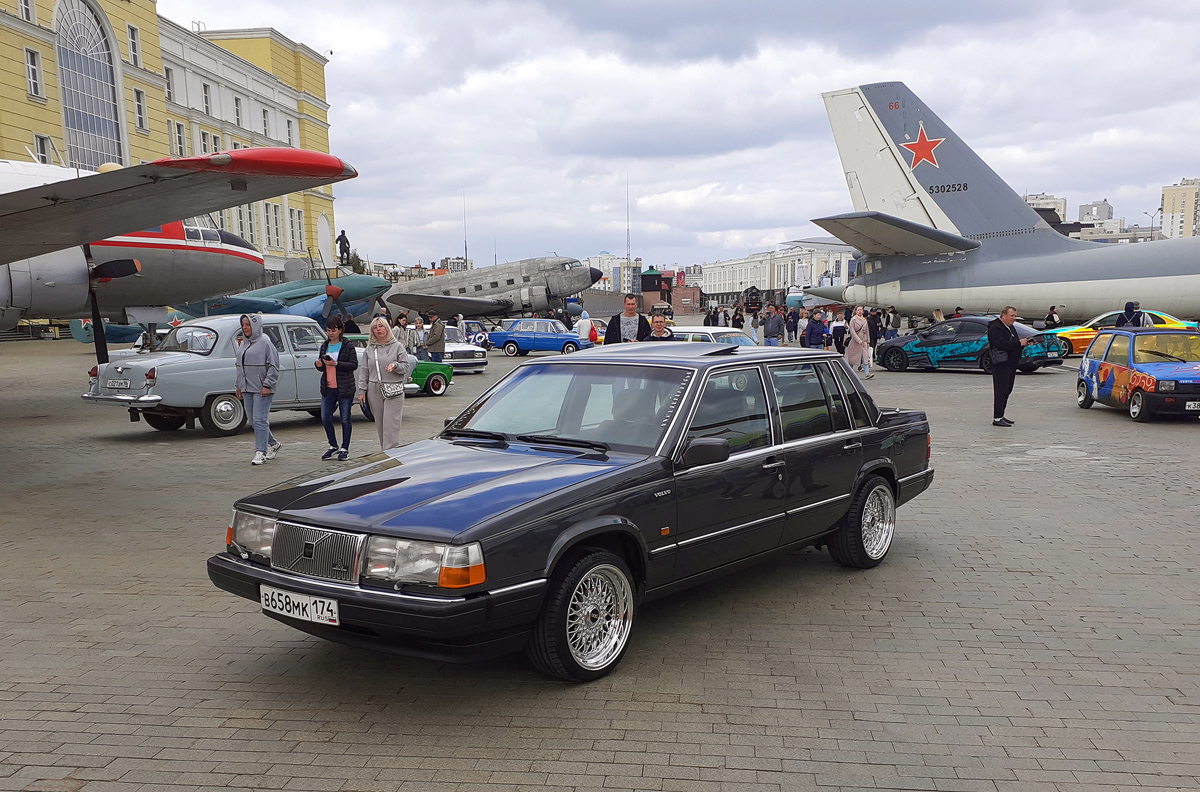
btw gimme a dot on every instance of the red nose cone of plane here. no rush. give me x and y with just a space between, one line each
334 292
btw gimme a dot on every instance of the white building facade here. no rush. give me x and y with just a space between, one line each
800 263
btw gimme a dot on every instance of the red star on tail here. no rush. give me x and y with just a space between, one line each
922 150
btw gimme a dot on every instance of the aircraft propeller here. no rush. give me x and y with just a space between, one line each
117 268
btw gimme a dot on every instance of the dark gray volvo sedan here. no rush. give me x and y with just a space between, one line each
573 490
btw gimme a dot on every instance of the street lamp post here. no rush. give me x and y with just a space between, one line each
1152 216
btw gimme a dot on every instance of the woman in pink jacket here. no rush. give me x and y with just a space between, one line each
858 351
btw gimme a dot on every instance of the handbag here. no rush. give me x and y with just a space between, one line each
999 356
390 390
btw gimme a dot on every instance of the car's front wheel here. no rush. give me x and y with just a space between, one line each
894 359
164 423
1083 395
569 347
223 415
511 349
1139 407
866 535
584 628
435 385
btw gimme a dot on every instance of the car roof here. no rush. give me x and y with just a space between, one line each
218 322
696 353
1143 330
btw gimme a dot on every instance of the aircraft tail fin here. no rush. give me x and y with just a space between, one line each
902 160
81 332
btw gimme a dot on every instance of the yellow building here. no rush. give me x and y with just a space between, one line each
83 82
1181 209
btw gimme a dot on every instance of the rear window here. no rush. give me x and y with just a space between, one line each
192 338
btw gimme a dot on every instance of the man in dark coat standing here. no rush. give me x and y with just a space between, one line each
627 326
1006 348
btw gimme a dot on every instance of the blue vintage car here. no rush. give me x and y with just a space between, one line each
522 336
961 343
1145 370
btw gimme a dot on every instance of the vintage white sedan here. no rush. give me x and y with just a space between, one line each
191 375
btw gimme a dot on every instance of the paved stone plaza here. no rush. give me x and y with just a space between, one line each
1035 627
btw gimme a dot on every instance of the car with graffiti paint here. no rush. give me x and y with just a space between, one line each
1074 339
1146 371
961 343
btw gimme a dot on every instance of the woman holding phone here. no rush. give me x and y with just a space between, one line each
337 362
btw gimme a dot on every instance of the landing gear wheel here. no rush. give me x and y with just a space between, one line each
511 349
1083 395
436 385
1139 407
165 423
223 415
569 347
584 628
866 535
895 360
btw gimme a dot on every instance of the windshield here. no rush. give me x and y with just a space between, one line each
1166 348
192 338
624 407
737 339
453 335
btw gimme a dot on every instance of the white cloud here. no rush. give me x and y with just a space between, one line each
539 112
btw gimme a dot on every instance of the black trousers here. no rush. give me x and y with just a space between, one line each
1002 385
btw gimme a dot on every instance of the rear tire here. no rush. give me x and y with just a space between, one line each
223 415
435 385
569 347
314 413
894 359
985 361
164 423
1064 347
1083 395
511 349
584 627
1139 407
866 534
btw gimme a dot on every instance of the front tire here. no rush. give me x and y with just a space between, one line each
511 349
866 535
435 385
569 347
164 423
223 415
584 627
1139 407
1083 395
894 359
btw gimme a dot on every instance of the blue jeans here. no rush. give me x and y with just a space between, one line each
771 342
258 410
436 357
330 401
889 334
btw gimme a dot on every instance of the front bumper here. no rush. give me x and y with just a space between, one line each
466 364
485 625
123 399
1177 405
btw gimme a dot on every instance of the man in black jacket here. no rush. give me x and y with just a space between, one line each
1006 348
627 326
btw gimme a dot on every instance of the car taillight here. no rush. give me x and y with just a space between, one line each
152 375
94 373
928 447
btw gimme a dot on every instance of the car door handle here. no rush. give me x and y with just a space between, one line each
773 465
852 446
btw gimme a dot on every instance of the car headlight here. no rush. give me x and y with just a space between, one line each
251 533
480 354
1166 385
408 561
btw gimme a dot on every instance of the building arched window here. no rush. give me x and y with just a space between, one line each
89 86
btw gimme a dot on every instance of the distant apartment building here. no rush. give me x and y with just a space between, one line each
1095 212
1181 209
456 264
608 264
1046 201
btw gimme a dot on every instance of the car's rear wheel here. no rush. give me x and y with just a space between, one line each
1083 395
1027 369
511 349
1064 347
985 361
866 535
223 415
164 423
584 628
1139 407
569 347
894 359
435 385
314 413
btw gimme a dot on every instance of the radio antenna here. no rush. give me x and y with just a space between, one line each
465 266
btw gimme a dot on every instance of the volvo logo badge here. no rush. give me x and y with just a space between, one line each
310 549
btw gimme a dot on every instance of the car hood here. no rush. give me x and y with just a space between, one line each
432 489
1171 370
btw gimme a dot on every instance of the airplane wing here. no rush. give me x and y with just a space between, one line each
96 206
234 304
448 306
879 234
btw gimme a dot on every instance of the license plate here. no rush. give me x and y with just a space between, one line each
299 606
118 383
1192 405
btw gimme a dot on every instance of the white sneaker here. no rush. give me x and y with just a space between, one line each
259 458
273 448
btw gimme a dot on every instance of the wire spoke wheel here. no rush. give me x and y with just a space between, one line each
878 521
599 617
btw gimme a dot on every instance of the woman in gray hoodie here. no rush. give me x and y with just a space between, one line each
257 363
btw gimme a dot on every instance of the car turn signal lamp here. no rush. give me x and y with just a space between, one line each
408 561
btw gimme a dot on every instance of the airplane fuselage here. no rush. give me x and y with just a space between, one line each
536 284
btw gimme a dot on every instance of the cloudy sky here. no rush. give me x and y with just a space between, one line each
540 112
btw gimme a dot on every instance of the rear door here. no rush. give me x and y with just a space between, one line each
306 342
734 509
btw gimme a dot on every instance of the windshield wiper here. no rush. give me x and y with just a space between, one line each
595 445
1161 354
476 434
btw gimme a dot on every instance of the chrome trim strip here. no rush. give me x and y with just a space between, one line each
664 548
924 472
750 524
121 398
817 505
519 586
419 598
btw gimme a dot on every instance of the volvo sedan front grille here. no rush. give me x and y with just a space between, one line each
316 552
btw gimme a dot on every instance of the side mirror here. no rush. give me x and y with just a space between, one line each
446 422
924 334
705 451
